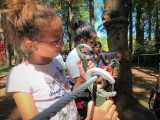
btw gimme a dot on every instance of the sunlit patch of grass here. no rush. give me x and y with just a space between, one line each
143 81
4 70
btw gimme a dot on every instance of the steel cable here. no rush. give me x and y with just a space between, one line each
57 106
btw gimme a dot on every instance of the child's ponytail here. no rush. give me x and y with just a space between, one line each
20 13
26 19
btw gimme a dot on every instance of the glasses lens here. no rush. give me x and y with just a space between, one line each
58 43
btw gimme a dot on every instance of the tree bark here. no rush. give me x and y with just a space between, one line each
9 54
91 9
115 20
131 29
157 30
149 23
71 36
139 25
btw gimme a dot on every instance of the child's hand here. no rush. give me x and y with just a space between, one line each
90 65
97 113
82 78
114 73
81 69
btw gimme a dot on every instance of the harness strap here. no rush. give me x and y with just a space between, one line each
79 105
158 98
150 99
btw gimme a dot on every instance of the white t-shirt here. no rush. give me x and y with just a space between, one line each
46 83
71 63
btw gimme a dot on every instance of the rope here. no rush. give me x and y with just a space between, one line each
57 106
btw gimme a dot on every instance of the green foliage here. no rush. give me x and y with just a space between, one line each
147 48
4 70
80 10
104 43
150 47
66 45
138 48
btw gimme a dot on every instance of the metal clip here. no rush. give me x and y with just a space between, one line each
81 54
113 62
85 57
101 93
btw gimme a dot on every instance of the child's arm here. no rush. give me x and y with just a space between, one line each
25 105
82 78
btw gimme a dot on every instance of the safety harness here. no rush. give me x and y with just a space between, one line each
155 92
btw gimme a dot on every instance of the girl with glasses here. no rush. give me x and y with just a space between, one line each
40 80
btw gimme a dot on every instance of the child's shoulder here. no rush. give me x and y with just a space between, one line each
17 71
22 67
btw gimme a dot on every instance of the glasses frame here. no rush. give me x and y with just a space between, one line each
55 43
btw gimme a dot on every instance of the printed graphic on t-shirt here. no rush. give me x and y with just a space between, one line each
66 114
57 83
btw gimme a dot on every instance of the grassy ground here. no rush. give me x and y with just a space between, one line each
4 70
143 80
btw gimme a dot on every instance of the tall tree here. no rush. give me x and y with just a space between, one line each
115 19
67 10
157 26
149 9
131 28
139 23
70 16
91 11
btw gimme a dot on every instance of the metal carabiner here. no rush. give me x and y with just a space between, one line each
101 93
85 57
113 62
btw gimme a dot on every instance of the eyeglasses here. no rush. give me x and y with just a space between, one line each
57 42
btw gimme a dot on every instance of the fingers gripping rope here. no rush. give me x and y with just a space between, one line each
91 78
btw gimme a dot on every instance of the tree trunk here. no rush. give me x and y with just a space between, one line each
157 31
149 23
91 11
1 30
71 32
139 25
71 43
131 29
115 19
9 54
71 23
116 23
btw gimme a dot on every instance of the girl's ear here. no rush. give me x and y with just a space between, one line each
29 44
81 41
